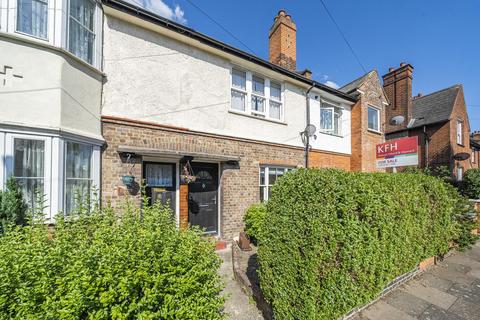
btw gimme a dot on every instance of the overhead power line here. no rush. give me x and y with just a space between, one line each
343 35
220 26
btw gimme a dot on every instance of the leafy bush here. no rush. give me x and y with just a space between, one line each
470 185
109 265
253 219
13 209
335 239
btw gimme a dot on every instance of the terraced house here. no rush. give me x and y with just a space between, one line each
178 104
117 97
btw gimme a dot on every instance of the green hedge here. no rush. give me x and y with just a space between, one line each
13 209
334 239
470 186
109 265
253 219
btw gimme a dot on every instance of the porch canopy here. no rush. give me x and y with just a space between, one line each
177 154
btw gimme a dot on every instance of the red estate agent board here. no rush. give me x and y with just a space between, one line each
397 153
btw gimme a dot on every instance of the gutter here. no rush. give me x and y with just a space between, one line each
188 32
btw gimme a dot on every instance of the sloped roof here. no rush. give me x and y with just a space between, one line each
434 107
349 87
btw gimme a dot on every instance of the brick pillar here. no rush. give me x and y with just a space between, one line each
398 88
183 206
283 41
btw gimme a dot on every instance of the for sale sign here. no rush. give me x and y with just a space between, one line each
397 153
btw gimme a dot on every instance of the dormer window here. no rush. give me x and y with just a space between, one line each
32 16
256 95
81 29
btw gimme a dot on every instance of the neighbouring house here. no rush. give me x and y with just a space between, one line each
439 119
50 98
368 120
475 146
178 103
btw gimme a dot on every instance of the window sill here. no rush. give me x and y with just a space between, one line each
331 134
375 131
240 113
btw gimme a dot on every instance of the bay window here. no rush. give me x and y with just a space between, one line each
373 119
32 16
330 118
29 167
78 174
268 176
81 29
256 95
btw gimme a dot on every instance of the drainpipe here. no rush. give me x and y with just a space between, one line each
425 135
307 137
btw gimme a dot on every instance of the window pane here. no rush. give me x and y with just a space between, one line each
238 100
262 176
159 175
76 191
275 110
275 91
262 194
337 121
239 79
272 176
81 29
78 161
373 118
258 85
29 166
326 118
32 17
258 104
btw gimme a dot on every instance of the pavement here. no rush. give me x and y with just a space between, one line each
449 290
238 306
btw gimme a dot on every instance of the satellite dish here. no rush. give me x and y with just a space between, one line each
461 156
397 120
310 130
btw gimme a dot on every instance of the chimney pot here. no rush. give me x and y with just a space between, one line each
391 69
403 64
419 95
281 12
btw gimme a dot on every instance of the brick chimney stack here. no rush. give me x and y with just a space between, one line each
398 88
283 41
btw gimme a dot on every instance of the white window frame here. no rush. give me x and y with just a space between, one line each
47 21
94 31
249 93
266 183
9 154
459 130
378 118
460 173
334 108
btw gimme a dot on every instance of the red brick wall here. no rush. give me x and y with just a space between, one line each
283 42
398 88
239 185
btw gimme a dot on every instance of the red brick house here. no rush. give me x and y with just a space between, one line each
439 119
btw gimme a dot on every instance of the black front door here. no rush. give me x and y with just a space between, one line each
203 197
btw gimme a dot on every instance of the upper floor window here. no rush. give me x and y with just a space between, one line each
459 132
32 17
81 29
373 119
330 118
256 95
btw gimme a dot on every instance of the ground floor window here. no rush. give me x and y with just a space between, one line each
268 176
160 183
51 169
78 174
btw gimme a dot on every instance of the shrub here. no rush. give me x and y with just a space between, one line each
109 265
253 221
470 186
334 239
13 209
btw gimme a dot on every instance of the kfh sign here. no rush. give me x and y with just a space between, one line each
397 153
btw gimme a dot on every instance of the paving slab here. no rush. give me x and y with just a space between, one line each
429 294
466 292
382 311
430 280
465 309
436 313
407 303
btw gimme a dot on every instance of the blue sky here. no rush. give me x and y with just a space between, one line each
441 38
